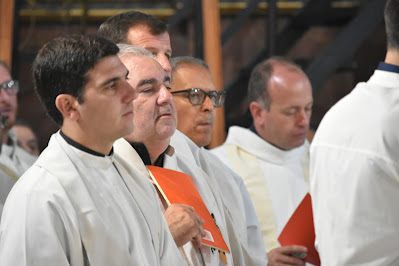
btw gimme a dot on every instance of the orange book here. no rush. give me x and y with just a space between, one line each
177 187
299 230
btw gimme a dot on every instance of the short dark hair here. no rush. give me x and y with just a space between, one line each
260 77
391 15
176 62
117 27
61 67
4 65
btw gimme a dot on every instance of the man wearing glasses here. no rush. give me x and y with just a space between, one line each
195 97
13 159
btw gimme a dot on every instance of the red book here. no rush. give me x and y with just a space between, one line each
177 187
300 230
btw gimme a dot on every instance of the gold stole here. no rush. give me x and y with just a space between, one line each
9 172
247 166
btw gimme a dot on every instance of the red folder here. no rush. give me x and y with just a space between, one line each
177 187
300 230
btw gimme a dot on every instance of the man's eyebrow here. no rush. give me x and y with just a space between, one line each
146 81
155 49
110 81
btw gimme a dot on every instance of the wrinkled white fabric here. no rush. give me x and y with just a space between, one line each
75 208
280 172
355 176
244 233
14 161
195 256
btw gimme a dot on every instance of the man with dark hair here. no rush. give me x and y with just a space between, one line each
248 251
141 30
81 204
271 156
13 159
354 169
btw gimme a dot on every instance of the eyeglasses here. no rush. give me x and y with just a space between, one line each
11 87
197 96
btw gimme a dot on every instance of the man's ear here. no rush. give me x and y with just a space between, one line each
68 106
256 111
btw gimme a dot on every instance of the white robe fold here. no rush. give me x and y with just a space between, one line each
195 256
14 161
242 223
355 176
75 208
274 178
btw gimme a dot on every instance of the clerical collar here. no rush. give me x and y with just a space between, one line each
253 129
81 147
388 67
141 149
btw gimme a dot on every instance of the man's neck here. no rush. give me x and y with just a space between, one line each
156 149
4 135
392 57
94 143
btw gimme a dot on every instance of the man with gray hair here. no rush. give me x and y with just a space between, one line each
155 123
139 29
269 156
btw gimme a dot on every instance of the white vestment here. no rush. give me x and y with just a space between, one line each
275 178
355 176
75 208
195 256
14 161
249 245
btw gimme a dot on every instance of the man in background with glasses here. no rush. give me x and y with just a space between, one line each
272 155
14 161
196 98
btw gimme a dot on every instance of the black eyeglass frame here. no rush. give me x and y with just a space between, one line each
10 86
217 97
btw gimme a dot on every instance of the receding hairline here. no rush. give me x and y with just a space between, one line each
285 63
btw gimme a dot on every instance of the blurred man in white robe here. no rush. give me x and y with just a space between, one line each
13 159
355 169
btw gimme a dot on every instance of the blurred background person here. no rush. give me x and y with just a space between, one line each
26 137
354 167
14 160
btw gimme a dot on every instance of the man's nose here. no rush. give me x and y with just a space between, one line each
207 105
164 96
303 118
130 92
164 62
4 95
